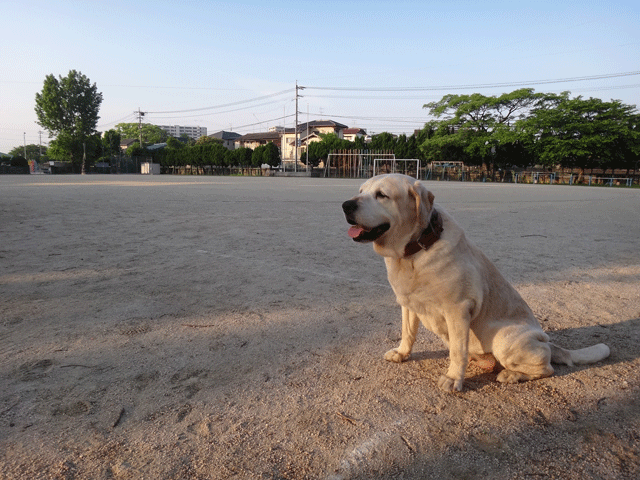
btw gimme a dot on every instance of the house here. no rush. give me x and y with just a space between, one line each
127 142
307 133
253 140
352 133
228 138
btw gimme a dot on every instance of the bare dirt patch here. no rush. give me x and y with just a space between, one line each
207 328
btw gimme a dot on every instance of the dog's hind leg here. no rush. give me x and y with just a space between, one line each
515 376
410 324
528 359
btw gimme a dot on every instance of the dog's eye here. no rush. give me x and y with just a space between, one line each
380 195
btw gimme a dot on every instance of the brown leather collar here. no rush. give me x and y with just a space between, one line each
430 235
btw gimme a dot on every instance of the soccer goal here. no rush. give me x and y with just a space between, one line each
407 166
445 171
353 163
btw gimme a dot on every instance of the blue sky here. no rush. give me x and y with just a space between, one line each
184 57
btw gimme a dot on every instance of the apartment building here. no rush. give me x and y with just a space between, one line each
178 130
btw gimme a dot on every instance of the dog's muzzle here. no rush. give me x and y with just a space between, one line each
359 233
349 207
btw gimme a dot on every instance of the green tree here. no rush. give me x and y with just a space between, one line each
445 144
584 133
204 139
33 151
383 141
111 142
401 148
474 127
239 157
319 151
90 147
150 133
135 150
187 140
174 143
257 157
68 109
214 152
271 155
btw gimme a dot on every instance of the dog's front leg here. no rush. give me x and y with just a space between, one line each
458 324
410 323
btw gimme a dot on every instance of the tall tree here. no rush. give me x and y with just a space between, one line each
476 123
584 133
68 109
111 142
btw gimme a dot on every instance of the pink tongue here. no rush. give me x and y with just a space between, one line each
355 231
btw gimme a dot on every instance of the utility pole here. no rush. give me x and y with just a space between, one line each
307 149
24 137
40 149
296 127
140 115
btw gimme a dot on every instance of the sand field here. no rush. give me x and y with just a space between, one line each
168 327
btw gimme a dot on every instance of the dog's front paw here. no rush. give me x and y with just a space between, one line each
395 356
449 384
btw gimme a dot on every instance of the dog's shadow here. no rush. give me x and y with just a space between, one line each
622 338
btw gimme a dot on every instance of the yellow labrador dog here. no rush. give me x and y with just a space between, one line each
442 280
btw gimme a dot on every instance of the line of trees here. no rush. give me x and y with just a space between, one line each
402 146
524 128
212 153
33 151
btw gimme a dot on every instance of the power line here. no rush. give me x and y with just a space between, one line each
128 117
477 86
180 87
422 97
232 104
379 119
264 121
224 111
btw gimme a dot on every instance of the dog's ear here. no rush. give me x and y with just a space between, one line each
424 201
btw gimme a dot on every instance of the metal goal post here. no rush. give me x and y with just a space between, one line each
443 169
397 165
353 163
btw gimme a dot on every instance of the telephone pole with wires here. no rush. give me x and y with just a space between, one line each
295 165
140 115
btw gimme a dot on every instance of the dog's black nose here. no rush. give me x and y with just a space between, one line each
349 207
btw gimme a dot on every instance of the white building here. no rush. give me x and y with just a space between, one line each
178 130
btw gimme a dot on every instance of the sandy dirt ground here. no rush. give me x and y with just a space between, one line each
212 328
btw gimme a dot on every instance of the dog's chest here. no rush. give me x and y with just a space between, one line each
412 289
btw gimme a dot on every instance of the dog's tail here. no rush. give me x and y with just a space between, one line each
591 354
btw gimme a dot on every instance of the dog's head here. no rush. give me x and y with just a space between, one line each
390 211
